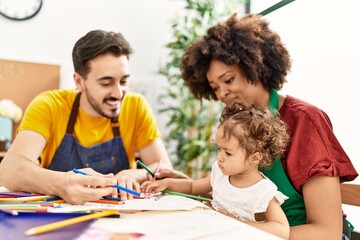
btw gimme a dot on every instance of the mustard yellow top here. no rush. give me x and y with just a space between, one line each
49 112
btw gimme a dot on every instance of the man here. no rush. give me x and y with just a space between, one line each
96 128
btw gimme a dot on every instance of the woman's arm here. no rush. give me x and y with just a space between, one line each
322 199
276 221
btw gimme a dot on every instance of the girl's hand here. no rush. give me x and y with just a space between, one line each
154 186
169 173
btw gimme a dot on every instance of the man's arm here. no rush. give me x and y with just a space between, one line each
19 171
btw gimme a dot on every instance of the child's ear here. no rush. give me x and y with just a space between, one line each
255 158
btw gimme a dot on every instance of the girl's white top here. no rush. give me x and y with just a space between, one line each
242 202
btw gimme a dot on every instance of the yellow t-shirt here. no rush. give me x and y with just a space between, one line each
49 112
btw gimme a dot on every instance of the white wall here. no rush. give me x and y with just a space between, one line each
50 36
324 42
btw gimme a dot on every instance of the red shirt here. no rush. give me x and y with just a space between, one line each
314 149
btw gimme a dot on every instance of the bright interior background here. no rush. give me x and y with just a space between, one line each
323 42
321 35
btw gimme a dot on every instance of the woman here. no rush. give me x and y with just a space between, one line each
243 60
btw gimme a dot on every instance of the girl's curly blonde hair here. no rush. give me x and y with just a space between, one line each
257 130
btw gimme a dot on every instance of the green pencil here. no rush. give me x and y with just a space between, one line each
172 192
187 195
145 167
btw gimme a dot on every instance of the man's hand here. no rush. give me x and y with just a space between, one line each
125 178
78 188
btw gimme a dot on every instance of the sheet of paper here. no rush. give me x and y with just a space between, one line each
165 203
174 225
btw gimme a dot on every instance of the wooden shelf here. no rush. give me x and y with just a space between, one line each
2 155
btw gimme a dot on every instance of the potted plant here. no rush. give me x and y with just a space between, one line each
191 122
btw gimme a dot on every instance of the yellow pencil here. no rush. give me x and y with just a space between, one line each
25 199
33 198
64 223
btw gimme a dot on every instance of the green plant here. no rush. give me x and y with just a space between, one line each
191 122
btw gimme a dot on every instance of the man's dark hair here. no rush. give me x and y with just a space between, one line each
96 43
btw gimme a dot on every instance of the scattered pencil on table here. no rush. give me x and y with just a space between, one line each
9 212
107 201
60 224
18 194
25 199
111 198
115 186
159 196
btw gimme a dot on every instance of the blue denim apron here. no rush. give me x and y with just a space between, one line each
106 157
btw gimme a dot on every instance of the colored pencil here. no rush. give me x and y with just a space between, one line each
33 198
18 194
9 212
58 201
127 190
30 209
64 223
187 195
52 199
173 192
145 167
159 196
115 186
18 200
157 169
107 201
111 198
9 200
27 204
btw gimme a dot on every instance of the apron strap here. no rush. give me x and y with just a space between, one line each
115 127
74 112
274 101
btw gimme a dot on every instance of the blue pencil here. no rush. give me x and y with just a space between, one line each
115 186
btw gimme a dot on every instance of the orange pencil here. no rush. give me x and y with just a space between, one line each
64 223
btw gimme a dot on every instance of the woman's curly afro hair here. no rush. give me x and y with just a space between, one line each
247 42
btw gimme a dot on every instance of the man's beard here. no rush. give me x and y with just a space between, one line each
114 113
